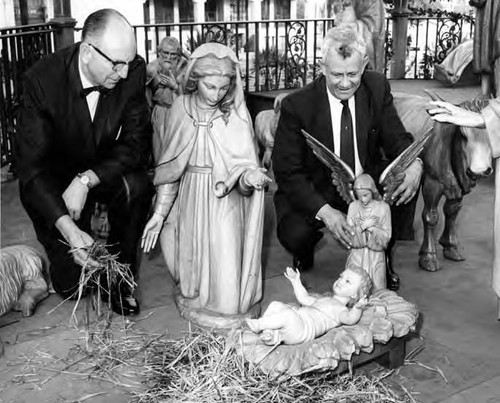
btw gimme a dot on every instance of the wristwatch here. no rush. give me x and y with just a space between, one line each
85 180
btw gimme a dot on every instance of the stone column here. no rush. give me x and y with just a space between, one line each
293 9
177 17
399 35
199 10
254 14
7 18
272 11
255 10
310 9
226 10
152 12
64 23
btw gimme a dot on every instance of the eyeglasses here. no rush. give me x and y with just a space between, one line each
118 65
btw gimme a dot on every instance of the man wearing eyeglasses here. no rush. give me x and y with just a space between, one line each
83 137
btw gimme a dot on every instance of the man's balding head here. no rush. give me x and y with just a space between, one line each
108 46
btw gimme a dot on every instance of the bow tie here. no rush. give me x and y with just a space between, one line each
88 90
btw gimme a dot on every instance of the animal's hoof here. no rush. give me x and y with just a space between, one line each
429 263
452 253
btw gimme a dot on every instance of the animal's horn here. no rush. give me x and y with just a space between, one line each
434 96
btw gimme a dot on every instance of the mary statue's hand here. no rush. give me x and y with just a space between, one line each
257 178
151 232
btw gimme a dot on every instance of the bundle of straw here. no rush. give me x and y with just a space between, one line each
101 267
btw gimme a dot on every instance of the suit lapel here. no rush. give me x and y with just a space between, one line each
323 127
363 117
78 105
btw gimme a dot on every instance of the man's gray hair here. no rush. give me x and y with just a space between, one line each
344 40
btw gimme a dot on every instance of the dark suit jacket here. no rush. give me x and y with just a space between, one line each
304 183
56 138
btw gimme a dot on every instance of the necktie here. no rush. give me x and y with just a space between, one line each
88 90
346 136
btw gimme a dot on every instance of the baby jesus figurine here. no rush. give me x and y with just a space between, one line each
289 324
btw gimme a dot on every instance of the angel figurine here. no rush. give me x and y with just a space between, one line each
370 218
368 214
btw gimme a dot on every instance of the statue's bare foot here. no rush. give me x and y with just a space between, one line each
253 325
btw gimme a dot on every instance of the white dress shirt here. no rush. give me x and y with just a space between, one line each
93 97
336 113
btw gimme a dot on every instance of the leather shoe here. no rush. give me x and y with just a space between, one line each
122 301
392 279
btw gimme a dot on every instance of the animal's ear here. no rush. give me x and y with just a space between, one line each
277 102
277 105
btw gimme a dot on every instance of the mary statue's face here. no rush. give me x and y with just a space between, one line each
212 89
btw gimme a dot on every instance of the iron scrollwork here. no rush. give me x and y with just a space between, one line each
449 36
295 74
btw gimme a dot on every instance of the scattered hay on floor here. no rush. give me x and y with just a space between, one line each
201 367
204 367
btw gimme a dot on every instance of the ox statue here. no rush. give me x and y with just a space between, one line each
266 123
454 159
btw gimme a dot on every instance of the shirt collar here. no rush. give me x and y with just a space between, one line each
335 101
85 81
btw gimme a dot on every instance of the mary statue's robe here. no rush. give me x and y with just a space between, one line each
212 237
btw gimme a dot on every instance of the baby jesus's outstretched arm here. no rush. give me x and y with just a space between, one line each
300 292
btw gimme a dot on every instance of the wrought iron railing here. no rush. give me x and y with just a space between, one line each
430 39
274 54
20 48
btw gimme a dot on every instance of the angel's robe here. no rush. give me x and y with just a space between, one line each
368 246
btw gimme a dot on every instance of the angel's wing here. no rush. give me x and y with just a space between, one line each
342 174
393 175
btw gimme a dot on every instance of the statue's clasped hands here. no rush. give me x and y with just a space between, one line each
368 222
168 80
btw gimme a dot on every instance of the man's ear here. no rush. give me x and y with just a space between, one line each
365 62
85 52
322 65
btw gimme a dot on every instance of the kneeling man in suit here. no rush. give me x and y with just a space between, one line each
351 112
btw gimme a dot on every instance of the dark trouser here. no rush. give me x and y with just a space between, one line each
128 200
299 234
